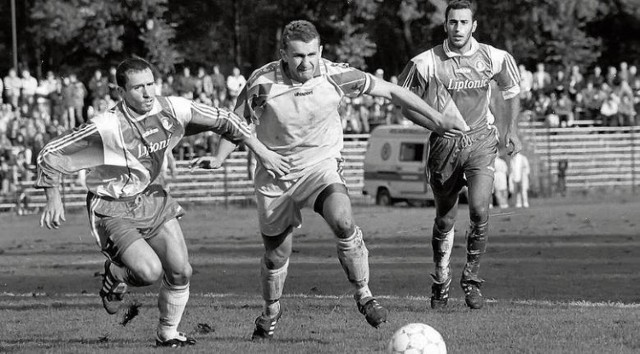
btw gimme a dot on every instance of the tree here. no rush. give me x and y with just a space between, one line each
85 33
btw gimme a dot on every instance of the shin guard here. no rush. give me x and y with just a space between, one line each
354 258
442 243
273 281
476 247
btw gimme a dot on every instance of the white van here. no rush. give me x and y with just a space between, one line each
395 165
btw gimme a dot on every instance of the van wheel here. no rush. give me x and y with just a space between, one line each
384 198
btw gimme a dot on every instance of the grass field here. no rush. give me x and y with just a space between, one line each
562 277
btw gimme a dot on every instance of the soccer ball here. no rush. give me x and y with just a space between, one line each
416 338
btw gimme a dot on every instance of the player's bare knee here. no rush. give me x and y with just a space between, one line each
149 272
444 223
180 276
344 228
275 260
479 214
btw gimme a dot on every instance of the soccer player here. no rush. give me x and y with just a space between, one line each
459 71
294 105
133 219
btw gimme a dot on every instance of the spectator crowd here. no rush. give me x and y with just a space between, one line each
569 97
33 111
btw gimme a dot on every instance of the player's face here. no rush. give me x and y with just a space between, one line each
302 59
459 27
139 92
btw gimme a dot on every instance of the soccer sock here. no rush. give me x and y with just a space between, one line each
354 258
442 243
171 303
476 247
272 287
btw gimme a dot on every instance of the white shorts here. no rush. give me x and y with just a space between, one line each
280 202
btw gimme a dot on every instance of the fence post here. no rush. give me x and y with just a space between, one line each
549 177
633 160
225 185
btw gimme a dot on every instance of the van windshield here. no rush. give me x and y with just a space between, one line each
411 152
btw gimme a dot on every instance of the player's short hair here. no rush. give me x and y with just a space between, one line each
299 30
460 5
131 64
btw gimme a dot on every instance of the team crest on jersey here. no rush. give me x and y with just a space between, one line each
480 65
166 123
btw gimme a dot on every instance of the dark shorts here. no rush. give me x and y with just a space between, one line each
116 224
451 162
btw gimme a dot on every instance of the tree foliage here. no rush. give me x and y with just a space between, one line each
366 33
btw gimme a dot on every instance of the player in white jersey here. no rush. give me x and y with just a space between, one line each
458 73
294 106
134 220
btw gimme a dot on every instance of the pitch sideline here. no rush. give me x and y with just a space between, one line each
546 303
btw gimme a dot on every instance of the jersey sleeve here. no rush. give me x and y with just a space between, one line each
506 72
349 81
79 149
411 78
197 117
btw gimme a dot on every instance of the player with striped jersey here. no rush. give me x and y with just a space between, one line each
457 75
293 104
132 217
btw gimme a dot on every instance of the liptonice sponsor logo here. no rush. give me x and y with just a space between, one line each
456 85
306 93
145 150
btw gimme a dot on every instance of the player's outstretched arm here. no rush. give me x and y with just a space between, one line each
53 212
510 137
225 148
419 111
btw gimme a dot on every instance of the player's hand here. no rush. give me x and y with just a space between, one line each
453 122
205 162
512 142
53 214
275 163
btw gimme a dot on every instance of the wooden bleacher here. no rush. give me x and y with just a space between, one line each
228 184
599 157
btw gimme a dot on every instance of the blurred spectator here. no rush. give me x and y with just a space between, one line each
219 84
235 83
113 84
168 87
73 94
609 109
564 109
596 77
519 179
5 176
590 100
633 72
12 87
611 75
541 79
500 183
576 81
560 82
29 87
623 74
626 111
204 83
551 117
98 88
1 91
185 84
526 83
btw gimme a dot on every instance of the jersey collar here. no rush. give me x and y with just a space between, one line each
131 115
474 48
